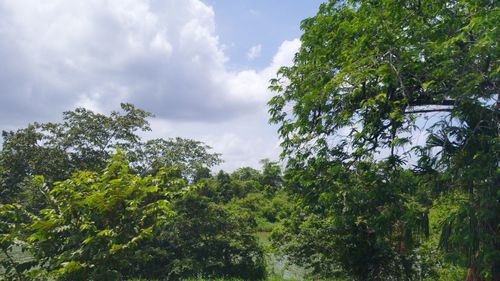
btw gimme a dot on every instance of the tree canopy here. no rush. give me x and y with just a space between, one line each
389 119
85 140
114 224
365 68
365 81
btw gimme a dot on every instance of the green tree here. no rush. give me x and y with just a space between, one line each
367 70
83 141
224 187
115 224
468 159
359 221
271 176
206 239
192 158
98 224
12 224
22 156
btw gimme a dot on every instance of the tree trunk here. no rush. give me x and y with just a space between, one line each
472 275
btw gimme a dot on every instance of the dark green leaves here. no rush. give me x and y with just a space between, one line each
366 72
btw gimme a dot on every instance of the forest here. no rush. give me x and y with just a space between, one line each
389 123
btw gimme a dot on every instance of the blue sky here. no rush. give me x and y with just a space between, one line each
242 24
202 67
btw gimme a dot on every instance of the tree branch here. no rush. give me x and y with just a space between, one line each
430 110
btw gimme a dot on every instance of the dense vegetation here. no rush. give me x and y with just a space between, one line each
86 199
368 77
360 197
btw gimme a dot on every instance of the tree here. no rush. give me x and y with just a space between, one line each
83 141
191 158
206 239
22 156
98 224
115 224
365 74
271 176
361 221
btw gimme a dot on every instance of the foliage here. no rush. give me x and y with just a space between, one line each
364 73
12 265
431 263
192 158
364 66
115 224
361 222
271 176
267 211
97 224
84 141
206 239
257 193
468 159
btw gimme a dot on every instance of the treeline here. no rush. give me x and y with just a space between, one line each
389 121
87 199
108 206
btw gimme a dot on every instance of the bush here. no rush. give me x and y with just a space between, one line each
207 239
99 226
116 225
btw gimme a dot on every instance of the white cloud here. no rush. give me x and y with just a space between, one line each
247 139
162 55
254 52
253 84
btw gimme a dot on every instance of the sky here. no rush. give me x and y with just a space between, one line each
201 67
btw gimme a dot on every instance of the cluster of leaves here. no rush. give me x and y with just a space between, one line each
259 194
75 210
85 140
207 239
366 79
361 223
115 224
98 223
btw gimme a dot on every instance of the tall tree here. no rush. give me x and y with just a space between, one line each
83 141
359 221
367 70
191 158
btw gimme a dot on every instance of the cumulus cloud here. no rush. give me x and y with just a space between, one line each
162 55
254 52
246 139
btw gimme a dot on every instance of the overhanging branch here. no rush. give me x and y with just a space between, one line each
429 110
427 107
